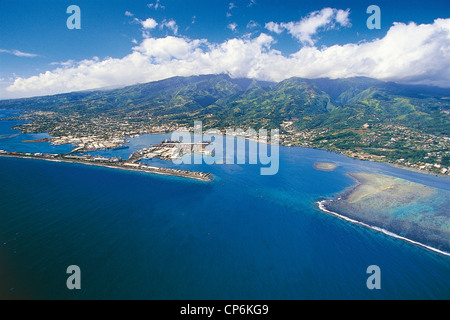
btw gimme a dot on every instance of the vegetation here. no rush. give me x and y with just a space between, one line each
391 122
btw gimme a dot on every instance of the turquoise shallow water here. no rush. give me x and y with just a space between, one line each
244 236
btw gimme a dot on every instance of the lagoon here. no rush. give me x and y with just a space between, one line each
244 236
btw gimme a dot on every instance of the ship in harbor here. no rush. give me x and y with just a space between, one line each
120 148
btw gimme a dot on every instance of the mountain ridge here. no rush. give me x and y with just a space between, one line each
223 101
359 116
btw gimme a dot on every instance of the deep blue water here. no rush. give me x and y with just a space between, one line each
244 236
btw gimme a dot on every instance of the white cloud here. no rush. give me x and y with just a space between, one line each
232 26
274 27
303 30
149 23
162 50
18 53
170 24
408 53
68 63
231 6
157 5
252 24
342 17
129 14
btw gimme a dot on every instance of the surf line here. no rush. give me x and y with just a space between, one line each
322 207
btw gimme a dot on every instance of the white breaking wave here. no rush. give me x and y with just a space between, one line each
324 209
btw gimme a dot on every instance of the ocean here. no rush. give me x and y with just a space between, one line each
244 236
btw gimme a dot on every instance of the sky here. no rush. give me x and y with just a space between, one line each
122 43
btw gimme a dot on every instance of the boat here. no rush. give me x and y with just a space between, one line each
120 148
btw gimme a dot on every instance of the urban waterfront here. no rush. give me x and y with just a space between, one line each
243 236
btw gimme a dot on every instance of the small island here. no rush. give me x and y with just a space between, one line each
397 207
325 166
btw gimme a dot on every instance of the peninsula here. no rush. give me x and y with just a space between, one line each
115 163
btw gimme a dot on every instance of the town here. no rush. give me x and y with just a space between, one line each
114 162
395 144
169 150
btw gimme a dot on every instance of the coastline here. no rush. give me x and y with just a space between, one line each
322 207
152 170
399 208
399 166
341 152
394 165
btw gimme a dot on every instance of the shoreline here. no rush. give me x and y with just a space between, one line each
399 166
395 165
195 175
322 207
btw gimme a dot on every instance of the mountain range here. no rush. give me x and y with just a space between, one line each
222 101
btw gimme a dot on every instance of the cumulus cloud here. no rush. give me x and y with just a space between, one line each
303 30
408 53
129 14
148 23
274 27
342 17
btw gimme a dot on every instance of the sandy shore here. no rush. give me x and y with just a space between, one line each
325 166
410 211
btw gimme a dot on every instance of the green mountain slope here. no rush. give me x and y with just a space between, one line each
222 101
357 116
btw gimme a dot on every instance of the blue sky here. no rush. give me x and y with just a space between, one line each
40 55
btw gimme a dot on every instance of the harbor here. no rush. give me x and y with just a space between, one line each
114 162
170 150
